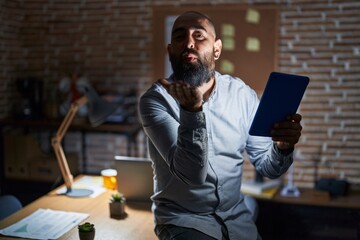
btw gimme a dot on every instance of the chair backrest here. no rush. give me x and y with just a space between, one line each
8 205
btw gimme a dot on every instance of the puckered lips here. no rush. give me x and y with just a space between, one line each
190 57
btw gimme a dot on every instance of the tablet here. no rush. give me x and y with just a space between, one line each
281 97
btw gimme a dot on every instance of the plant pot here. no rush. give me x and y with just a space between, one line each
87 235
117 209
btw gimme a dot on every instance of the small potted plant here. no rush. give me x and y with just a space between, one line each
86 231
117 205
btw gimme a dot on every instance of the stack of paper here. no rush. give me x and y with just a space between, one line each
266 189
45 224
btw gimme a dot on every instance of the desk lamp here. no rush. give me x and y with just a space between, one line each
99 110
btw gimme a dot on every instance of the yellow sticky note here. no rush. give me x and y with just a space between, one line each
228 43
252 16
252 44
227 66
227 30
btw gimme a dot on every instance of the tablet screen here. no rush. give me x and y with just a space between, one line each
281 97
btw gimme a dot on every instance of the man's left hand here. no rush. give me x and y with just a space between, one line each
287 133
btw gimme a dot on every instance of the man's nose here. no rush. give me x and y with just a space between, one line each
190 43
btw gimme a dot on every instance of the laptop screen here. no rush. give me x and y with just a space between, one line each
134 177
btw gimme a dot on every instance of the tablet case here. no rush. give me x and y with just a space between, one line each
281 97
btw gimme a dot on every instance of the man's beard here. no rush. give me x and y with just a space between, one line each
195 74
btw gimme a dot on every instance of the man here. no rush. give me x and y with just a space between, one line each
197 124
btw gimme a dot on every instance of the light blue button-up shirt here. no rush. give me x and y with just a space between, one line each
198 157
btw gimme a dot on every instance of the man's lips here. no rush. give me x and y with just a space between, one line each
189 57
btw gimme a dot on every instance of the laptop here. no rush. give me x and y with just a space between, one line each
134 177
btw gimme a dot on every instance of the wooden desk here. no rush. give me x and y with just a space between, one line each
137 225
313 215
309 196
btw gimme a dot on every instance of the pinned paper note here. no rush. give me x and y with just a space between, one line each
252 44
227 66
228 30
252 16
228 36
228 43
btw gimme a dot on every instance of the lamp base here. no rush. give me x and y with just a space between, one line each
78 192
290 191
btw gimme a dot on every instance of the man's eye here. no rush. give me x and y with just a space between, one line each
178 37
199 36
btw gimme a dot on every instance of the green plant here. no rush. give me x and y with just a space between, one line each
86 227
118 197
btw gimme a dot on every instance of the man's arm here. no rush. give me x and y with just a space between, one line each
275 162
180 140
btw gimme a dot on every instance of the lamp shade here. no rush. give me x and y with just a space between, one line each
99 109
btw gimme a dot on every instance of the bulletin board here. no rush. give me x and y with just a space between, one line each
249 34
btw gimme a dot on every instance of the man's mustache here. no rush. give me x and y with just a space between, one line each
190 51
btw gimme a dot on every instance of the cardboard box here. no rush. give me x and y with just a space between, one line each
15 156
25 160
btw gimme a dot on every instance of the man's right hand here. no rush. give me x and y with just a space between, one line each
189 97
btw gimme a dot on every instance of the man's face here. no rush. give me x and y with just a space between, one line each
192 50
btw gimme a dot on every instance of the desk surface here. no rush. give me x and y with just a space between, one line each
137 225
320 198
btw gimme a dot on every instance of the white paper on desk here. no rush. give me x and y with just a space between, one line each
93 183
45 224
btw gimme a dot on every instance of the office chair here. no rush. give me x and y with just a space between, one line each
252 205
8 205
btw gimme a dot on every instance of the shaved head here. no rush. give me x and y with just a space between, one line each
193 17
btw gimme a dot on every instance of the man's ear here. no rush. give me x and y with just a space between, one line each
169 48
217 49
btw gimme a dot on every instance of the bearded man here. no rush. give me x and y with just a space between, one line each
197 123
